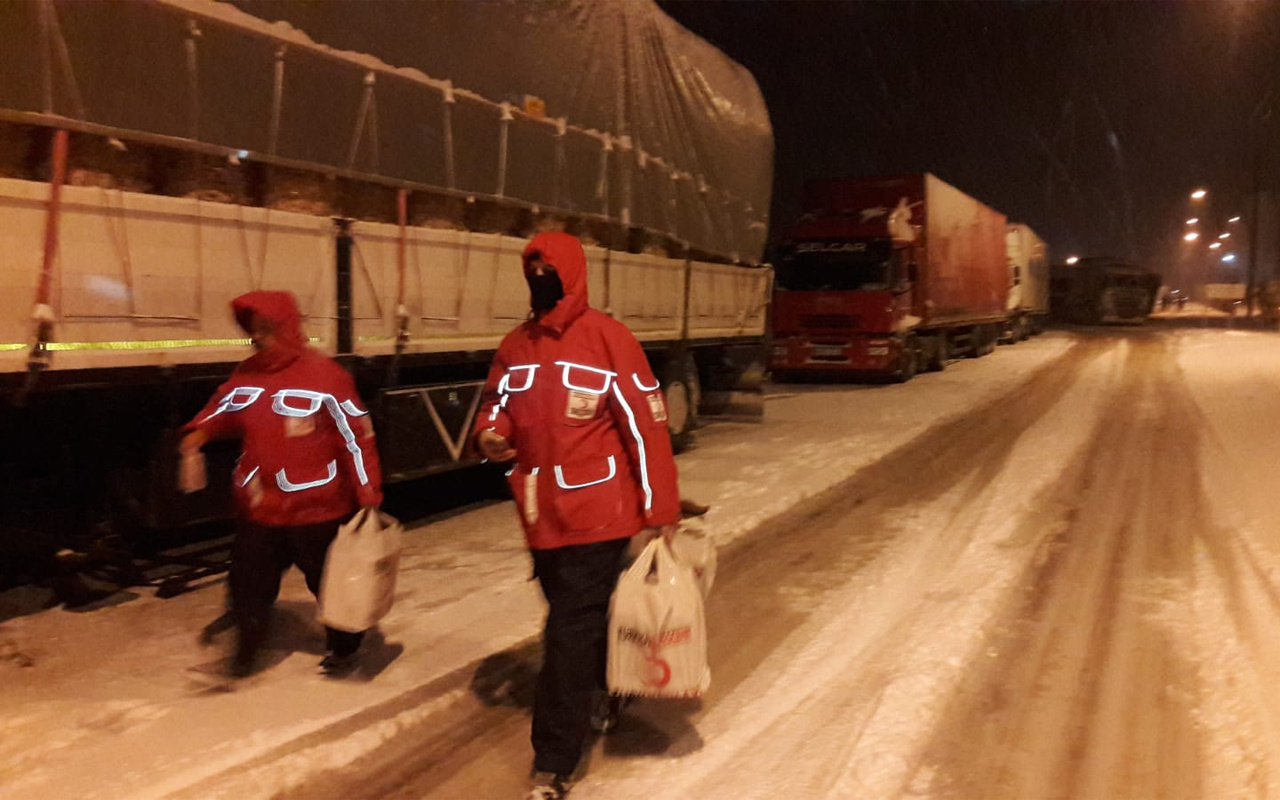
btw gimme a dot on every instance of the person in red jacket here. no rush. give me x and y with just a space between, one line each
571 399
308 461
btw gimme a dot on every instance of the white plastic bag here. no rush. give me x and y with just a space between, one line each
359 582
696 550
657 629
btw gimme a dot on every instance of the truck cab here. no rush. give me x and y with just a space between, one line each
886 275
844 304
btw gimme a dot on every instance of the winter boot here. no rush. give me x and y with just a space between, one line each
223 623
548 786
240 666
340 666
605 710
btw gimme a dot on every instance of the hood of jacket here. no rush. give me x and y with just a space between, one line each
564 252
281 309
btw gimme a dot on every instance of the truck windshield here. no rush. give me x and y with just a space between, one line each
836 266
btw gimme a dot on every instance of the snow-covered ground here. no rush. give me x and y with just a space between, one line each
107 707
1231 629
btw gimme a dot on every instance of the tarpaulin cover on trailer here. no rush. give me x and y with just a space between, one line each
603 107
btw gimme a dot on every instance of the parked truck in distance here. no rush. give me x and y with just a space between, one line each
1028 300
886 276
1223 297
1102 290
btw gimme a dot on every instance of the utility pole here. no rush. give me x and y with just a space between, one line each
1263 114
1253 231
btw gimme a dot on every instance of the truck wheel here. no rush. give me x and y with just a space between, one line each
682 391
908 358
984 340
937 360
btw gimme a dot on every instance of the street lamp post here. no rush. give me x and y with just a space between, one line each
1262 113
1252 274
1198 256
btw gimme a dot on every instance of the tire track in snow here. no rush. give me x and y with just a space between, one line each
1091 696
1235 602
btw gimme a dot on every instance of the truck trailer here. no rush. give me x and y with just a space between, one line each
1102 290
1028 303
159 158
886 276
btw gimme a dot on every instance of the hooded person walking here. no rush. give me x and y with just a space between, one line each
308 461
571 399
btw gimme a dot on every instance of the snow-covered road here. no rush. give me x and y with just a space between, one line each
1049 572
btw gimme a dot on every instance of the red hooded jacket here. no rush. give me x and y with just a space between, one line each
573 393
309 453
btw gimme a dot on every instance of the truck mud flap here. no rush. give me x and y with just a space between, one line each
423 430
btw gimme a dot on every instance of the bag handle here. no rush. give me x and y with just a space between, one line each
665 560
644 562
358 520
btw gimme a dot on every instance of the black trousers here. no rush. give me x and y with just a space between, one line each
578 582
259 557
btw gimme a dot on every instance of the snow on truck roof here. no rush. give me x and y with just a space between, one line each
604 108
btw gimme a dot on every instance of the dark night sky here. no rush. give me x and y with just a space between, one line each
1090 121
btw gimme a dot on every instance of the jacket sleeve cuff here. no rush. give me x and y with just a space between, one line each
658 517
217 427
369 496
500 426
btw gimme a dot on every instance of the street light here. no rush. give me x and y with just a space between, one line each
1191 237
1234 219
1215 245
1198 194
1224 235
1072 259
1228 258
1193 220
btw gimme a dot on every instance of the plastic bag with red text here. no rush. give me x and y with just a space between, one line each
657 629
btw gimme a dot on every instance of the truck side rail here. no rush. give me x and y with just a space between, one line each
144 280
727 301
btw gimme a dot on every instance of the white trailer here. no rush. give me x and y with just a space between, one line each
1028 300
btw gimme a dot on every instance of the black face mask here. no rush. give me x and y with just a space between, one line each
545 291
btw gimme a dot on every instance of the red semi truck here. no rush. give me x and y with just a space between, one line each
888 275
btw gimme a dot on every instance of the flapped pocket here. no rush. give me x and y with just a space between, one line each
299 479
589 494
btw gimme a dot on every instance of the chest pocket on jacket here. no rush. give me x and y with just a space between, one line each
298 407
586 388
297 402
518 378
